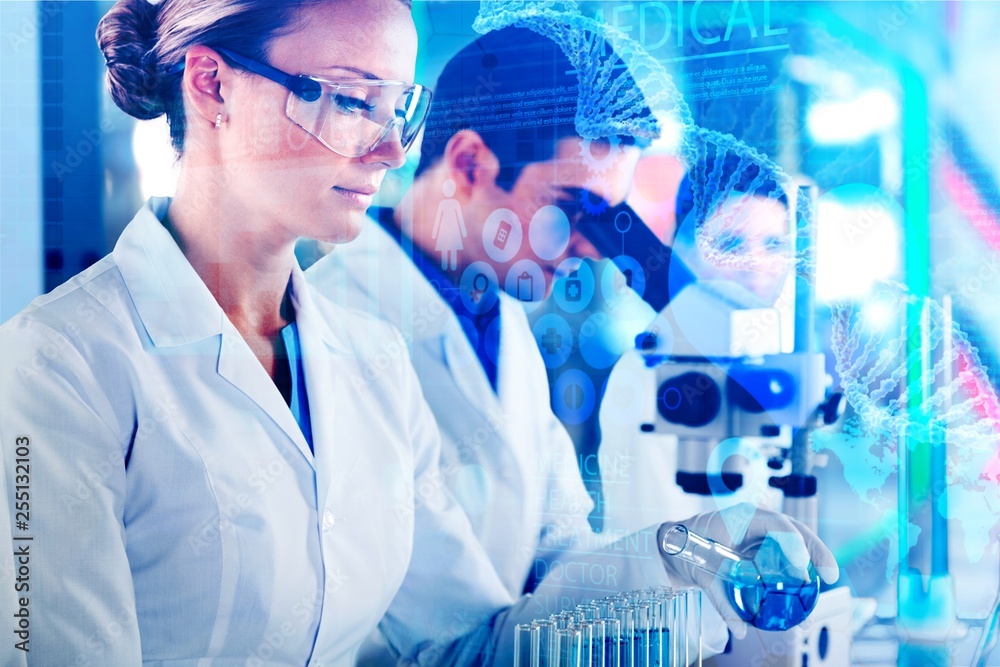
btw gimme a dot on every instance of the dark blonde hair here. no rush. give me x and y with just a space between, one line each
144 44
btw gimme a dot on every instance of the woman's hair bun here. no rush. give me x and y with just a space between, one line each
127 36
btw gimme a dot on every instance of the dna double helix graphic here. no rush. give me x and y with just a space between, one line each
624 91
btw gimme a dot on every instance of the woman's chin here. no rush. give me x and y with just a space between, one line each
346 228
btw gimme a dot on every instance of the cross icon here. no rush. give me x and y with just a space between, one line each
551 341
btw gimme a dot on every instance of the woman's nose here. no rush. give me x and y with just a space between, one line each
389 150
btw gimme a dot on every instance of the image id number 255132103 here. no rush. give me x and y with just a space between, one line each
22 541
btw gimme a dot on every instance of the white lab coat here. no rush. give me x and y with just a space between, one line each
506 457
178 515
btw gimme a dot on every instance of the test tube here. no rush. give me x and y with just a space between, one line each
654 627
542 640
522 645
612 642
586 642
626 640
568 647
587 612
598 641
702 552
659 655
563 619
643 632
605 607
691 631
682 628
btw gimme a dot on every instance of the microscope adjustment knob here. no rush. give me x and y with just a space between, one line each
691 399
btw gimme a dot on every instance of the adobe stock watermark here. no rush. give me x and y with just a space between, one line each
76 154
428 486
29 29
260 479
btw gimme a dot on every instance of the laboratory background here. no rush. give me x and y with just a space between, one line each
860 396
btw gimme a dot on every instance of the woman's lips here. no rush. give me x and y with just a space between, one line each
359 196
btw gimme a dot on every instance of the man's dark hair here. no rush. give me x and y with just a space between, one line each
516 89
745 174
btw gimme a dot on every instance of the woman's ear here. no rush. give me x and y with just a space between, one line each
205 76
470 162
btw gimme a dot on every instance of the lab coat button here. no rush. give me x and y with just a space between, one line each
328 521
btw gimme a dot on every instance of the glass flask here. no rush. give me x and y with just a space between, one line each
759 580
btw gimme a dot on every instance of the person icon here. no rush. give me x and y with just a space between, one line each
449 228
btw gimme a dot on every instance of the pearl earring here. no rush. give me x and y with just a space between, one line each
218 121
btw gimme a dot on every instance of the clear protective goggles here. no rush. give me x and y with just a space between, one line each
350 117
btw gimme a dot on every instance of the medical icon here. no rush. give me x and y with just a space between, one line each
502 235
525 286
623 222
575 395
573 288
549 233
551 341
554 338
477 288
621 276
480 283
449 228
526 282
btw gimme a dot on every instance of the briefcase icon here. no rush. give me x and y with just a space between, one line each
525 286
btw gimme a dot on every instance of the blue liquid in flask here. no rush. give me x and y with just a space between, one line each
763 588
774 603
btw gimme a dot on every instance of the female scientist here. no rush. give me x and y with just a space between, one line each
185 506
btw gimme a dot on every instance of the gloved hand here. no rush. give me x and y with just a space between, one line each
742 525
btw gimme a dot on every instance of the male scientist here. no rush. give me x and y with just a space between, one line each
476 233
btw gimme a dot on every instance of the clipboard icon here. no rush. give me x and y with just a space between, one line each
525 286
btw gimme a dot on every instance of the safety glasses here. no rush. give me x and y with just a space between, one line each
349 117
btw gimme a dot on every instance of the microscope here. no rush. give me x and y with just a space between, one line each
721 376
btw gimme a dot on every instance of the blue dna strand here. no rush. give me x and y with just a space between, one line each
869 343
624 91
616 86
726 175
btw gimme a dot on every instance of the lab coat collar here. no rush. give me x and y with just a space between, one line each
177 308
173 302
309 317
